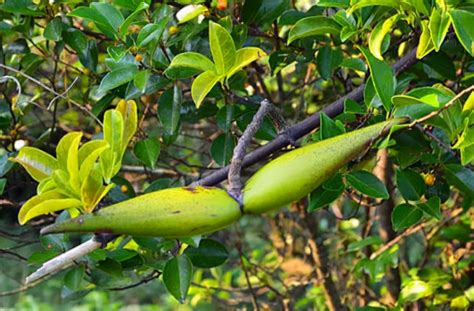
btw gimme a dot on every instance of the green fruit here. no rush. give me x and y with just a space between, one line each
170 213
297 173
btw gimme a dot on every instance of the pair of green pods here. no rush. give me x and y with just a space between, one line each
184 212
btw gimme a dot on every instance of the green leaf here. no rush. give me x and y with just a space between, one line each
431 207
222 48
334 3
117 77
54 29
152 32
463 22
190 12
364 3
244 57
140 80
202 85
49 206
88 155
177 276
169 110
460 177
425 46
368 184
188 60
34 201
439 25
378 34
351 106
410 184
36 162
3 182
128 110
382 78
209 254
106 17
324 194
93 189
113 135
222 148
73 277
311 26
328 59
249 10
129 20
405 215
147 151
415 290
329 128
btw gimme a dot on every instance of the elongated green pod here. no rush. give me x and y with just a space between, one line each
295 174
170 213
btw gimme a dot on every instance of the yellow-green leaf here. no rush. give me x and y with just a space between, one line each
463 22
222 48
94 149
244 57
34 201
113 135
378 34
439 25
45 185
93 190
189 12
62 181
36 162
202 85
425 46
128 109
50 206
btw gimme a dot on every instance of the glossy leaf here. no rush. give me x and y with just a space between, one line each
130 19
311 26
128 110
147 151
439 25
169 110
177 276
414 291
113 135
431 207
93 190
202 85
463 22
152 32
188 60
368 184
328 60
244 57
209 254
36 162
382 78
88 155
425 46
377 36
190 12
410 184
405 215
222 148
117 77
222 48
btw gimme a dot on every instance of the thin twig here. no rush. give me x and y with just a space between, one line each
79 106
235 185
439 111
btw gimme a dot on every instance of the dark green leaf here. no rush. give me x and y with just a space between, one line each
410 184
329 128
177 276
328 60
250 9
431 207
147 151
73 277
3 182
117 77
54 29
222 148
405 215
311 26
368 184
169 110
210 253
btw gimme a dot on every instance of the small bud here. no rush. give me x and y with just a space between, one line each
138 58
172 30
222 4
123 188
429 179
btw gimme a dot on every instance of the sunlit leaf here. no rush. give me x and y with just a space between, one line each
311 26
202 85
244 57
378 34
36 162
463 22
222 48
